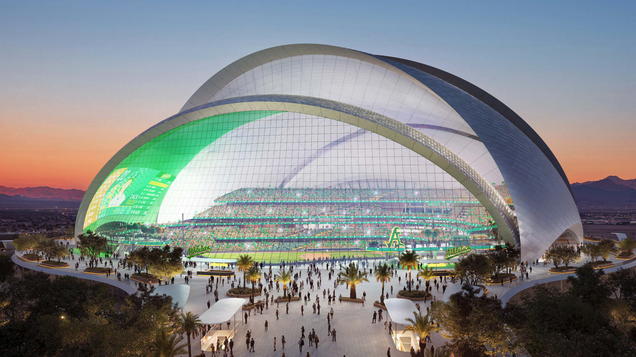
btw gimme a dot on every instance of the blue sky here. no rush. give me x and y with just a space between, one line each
80 78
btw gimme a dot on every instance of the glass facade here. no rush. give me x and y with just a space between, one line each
284 186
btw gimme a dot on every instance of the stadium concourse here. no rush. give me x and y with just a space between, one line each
356 334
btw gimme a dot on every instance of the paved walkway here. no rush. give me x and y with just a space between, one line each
357 336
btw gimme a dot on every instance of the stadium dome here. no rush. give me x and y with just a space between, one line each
321 148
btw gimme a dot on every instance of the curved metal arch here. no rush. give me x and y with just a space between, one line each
206 92
493 103
398 132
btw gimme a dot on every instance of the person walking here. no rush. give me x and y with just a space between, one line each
375 316
266 325
231 344
302 310
252 345
287 309
276 314
300 344
282 342
333 335
246 317
316 340
274 343
388 352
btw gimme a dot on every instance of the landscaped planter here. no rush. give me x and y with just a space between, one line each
97 271
247 294
378 305
502 277
286 299
217 272
624 256
348 299
562 270
402 294
31 258
54 264
602 265
592 239
145 278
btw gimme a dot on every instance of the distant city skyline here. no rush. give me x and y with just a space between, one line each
80 80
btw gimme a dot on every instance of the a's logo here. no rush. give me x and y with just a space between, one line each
194 251
394 239
456 251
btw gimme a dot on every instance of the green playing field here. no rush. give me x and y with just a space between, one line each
289 256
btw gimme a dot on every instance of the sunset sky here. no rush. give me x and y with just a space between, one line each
78 80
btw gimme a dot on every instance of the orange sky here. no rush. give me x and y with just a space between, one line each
66 151
79 80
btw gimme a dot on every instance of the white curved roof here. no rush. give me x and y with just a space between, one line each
480 132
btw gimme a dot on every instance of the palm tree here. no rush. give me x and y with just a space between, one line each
426 273
244 262
352 277
284 277
166 345
189 324
382 274
422 326
253 275
409 260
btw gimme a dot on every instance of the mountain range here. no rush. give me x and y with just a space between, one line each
39 197
611 192
43 192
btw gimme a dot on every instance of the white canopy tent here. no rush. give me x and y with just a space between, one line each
221 312
179 293
399 310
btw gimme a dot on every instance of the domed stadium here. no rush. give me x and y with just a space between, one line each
303 152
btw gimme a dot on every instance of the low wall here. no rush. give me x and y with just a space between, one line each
115 287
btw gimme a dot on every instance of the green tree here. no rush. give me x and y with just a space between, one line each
623 284
606 248
6 268
166 345
382 275
253 275
422 326
91 244
503 258
244 262
409 260
549 323
165 262
30 243
189 324
141 257
283 277
474 268
591 250
589 285
352 277
473 323
562 254
426 274
627 245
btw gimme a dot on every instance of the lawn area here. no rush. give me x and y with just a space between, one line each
289 256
